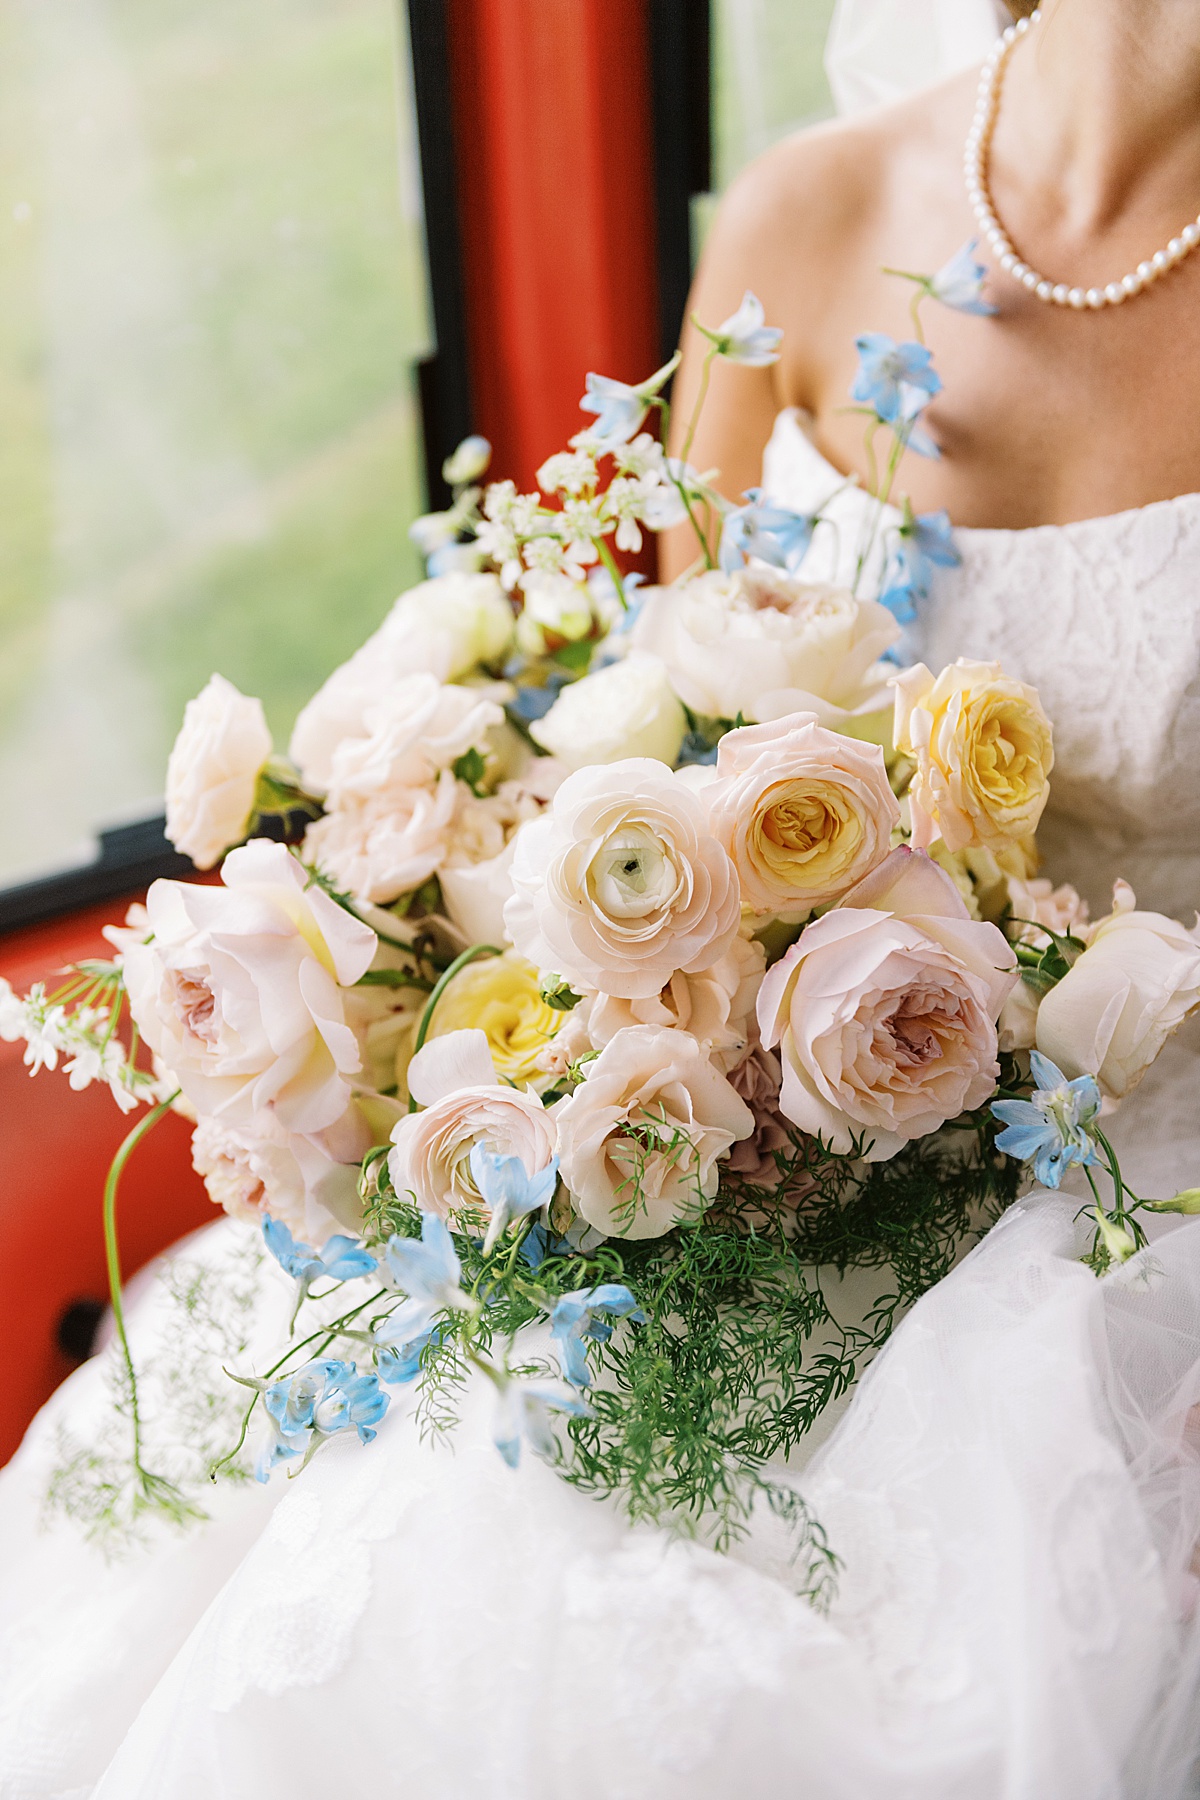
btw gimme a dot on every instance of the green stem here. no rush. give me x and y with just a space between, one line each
112 1258
611 564
439 988
701 397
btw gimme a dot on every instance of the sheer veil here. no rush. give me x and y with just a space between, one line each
880 50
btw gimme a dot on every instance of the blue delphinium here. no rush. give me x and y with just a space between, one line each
745 337
523 1410
923 541
341 1259
582 1315
763 529
959 283
1052 1128
315 1403
509 1190
430 1273
620 408
400 1362
896 380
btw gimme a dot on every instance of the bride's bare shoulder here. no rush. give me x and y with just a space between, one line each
826 195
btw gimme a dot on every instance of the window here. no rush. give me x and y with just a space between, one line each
768 76
212 291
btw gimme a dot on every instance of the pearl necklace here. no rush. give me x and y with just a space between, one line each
978 144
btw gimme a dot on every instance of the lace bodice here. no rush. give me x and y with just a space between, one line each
1103 618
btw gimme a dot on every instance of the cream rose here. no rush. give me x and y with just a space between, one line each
627 709
260 1169
804 813
715 1005
380 848
213 770
442 628
1113 1011
621 883
761 644
983 750
639 1141
455 1080
884 1011
240 990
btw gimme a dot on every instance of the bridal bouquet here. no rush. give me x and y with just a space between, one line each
603 970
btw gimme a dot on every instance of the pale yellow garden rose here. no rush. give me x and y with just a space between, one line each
499 995
983 752
804 813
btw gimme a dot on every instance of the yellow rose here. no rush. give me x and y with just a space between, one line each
983 753
499 996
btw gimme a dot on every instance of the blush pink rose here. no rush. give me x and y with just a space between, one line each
884 1011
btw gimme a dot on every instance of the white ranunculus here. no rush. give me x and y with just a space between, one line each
239 991
1113 1011
212 773
445 627
627 709
639 1140
762 644
621 882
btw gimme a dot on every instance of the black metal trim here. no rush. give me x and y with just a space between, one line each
680 86
130 857
444 379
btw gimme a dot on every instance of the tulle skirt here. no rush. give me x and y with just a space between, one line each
1013 1496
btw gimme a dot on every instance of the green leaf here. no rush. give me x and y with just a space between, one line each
471 768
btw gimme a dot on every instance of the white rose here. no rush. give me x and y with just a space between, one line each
627 709
639 1140
761 644
621 883
1113 1011
212 773
386 845
444 627
392 798
476 875
240 990
465 1103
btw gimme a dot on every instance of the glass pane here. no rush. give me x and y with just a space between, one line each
768 77
211 293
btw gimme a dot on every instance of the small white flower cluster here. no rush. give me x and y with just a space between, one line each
84 1036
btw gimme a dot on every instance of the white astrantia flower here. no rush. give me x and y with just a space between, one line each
213 770
626 709
621 882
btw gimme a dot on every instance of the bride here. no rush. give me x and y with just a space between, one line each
1013 1491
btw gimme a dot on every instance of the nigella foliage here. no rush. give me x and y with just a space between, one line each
694 1410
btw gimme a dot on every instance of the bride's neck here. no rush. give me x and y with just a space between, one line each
1101 111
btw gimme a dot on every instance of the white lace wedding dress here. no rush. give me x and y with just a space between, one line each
1013 1490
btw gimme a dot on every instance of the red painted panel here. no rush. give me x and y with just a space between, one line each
55 1148
553 131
